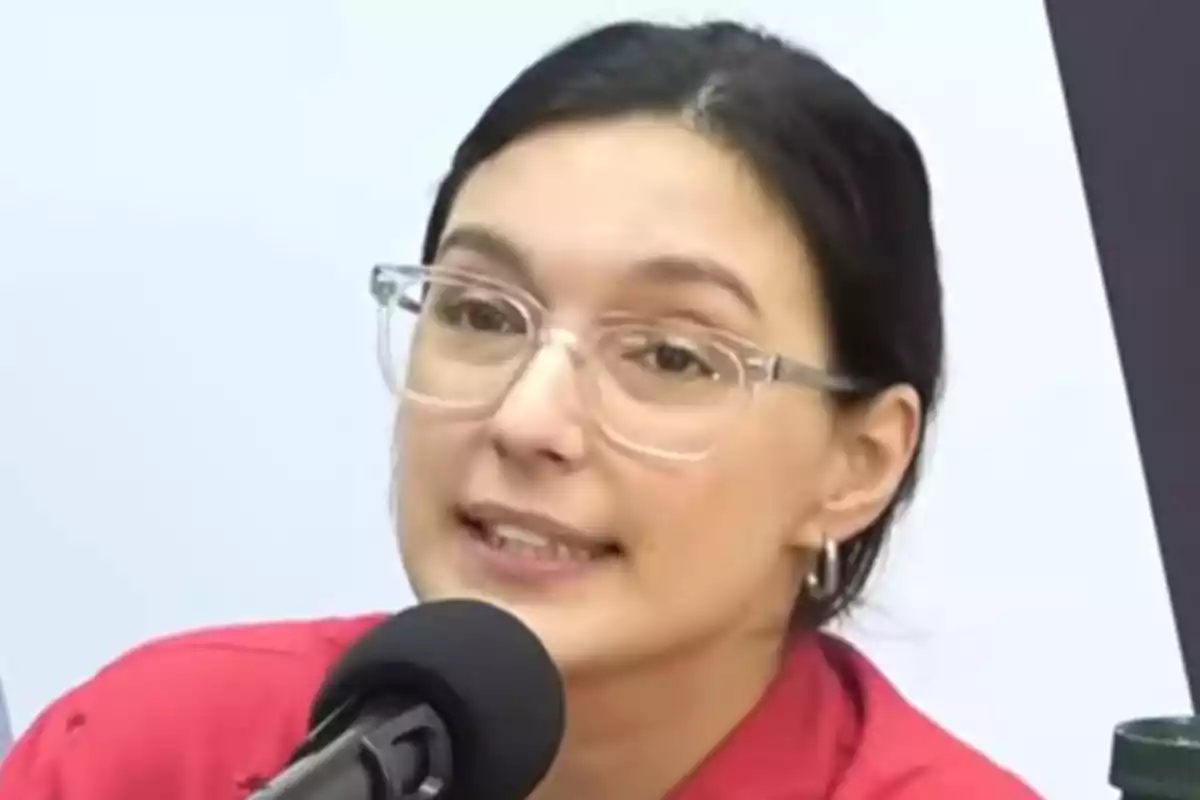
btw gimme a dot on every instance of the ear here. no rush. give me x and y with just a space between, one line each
874 445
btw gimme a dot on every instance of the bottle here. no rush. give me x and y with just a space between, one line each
1157 759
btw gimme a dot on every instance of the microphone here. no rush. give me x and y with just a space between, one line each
448 700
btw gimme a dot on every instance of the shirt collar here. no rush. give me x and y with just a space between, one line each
794 744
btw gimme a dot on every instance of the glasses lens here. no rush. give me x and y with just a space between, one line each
464 340
459 341
665 390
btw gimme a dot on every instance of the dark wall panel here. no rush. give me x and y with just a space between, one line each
1131 73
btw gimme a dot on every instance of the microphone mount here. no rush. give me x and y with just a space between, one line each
400 753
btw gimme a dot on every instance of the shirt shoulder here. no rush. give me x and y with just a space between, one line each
903 754
204 715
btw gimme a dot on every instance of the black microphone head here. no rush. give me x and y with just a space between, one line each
485 674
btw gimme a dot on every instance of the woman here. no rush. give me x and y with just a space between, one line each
675 342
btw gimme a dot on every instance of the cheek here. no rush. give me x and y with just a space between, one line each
734 516
791 449
429 445
705 532
709 557
428 462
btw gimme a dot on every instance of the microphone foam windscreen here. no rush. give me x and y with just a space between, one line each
482 670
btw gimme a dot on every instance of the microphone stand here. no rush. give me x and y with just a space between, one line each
384 755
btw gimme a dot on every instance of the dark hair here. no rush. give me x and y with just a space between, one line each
847 171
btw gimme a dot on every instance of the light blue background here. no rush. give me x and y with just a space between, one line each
192 429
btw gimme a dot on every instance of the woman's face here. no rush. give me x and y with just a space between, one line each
610 555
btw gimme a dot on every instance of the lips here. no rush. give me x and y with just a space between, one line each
530 536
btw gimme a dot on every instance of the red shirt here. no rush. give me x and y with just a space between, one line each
210 715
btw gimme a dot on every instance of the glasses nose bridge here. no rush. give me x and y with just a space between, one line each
552 336
544 341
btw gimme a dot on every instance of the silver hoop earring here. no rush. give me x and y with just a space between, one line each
822 582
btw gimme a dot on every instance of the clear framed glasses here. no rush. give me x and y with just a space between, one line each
458 340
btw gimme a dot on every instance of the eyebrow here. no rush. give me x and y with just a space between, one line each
486 243
663 268
685 269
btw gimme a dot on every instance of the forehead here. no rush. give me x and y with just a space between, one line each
586 202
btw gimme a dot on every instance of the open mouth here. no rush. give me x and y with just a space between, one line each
519 541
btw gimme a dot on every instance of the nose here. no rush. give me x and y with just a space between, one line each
541 419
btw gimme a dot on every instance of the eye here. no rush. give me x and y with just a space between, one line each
475 311
672 357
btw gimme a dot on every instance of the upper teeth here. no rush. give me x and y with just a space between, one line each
515 534
509 535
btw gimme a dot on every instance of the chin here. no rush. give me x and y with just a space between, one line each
573 636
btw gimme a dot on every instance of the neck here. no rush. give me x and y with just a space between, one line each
638 734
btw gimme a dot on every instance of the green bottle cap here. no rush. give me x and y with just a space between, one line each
1157 759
